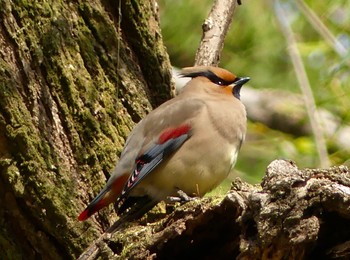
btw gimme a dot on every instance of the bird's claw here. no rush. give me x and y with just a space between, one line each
182 197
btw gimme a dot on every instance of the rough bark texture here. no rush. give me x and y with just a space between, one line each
72 84
298 214
294 214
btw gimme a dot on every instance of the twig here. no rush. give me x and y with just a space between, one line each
92 252
215 28
304 85
315 21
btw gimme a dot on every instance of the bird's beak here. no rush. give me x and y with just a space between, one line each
241 81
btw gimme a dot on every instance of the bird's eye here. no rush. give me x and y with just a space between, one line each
215 79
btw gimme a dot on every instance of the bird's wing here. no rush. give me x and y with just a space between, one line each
168 142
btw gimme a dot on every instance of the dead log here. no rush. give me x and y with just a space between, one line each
294 214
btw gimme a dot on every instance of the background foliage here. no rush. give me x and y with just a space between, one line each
256 47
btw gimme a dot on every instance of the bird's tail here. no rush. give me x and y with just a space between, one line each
99 202
109 194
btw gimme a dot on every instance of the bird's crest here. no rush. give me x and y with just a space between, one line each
216 75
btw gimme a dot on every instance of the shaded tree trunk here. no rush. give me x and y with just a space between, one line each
74 78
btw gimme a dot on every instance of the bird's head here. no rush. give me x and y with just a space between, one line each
228 82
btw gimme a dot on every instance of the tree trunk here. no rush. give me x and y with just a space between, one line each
74 78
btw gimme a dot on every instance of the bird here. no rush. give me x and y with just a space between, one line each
182 149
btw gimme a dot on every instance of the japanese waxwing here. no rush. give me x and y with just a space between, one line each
189 143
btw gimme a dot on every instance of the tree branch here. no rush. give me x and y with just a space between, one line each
215 28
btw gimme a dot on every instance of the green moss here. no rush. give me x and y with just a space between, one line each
12 174
90 124
8 248
86 49
73 67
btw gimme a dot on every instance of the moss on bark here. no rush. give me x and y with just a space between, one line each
71 88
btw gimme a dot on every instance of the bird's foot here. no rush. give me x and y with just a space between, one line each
182 197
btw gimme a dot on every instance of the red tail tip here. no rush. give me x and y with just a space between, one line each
84 215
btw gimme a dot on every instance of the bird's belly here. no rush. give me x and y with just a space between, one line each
195 171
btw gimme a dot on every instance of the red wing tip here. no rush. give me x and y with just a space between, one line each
174 132
84 215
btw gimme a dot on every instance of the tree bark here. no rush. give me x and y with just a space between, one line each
74 78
